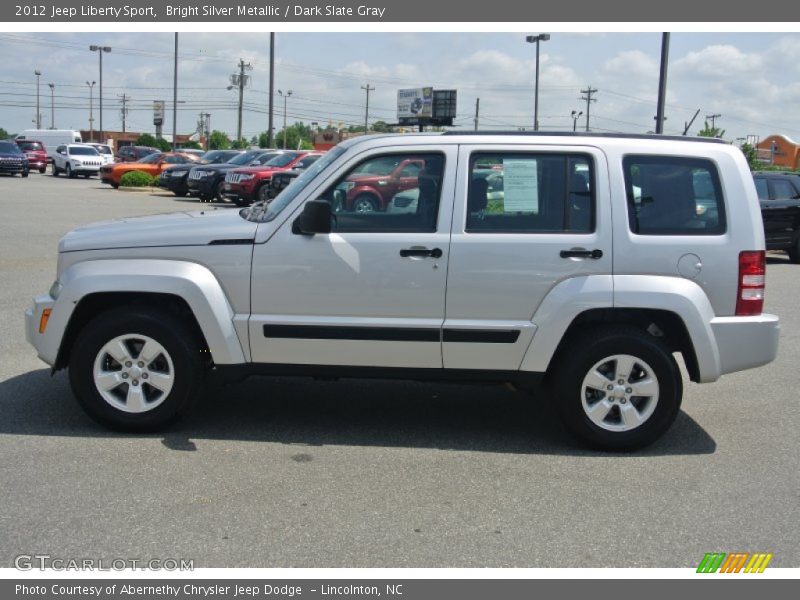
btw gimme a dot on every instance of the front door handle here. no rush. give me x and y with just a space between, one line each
421 252
581 253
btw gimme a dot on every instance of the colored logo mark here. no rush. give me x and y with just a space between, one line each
737 562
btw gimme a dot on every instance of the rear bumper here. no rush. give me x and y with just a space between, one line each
746 342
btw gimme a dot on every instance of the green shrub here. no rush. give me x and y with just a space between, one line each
137 179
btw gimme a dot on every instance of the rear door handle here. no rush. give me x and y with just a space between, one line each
581 253
421 252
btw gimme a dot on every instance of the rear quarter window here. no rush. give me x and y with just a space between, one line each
669 195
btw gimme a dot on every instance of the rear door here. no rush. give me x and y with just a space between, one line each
526 217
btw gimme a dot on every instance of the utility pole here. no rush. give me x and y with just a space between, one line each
52 105
367 89
689 124
124 110
270 125
240 80
477 112
713 119
175 97
588 97
662 83
91 108
38 74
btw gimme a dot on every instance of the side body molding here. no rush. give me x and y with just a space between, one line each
192 282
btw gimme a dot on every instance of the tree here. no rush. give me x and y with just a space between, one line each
751 154
192 144
712 132
239 144
263 140
147 140
298 137
4 135
381 127
163 145
218 140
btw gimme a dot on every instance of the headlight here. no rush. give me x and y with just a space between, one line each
245 177
76 162
55 289
204 173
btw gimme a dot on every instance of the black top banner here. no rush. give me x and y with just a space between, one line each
468 11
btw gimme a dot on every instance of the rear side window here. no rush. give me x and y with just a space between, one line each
530 193
670 195
761 189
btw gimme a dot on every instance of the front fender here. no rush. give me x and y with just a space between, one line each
193 283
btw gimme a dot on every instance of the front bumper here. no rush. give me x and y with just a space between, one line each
46 347
13 168
201 187
91 169
237 191
173 184
746 342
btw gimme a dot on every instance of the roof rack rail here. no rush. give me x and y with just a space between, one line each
637 136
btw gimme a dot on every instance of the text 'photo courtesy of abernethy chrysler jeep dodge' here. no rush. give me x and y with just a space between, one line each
583 267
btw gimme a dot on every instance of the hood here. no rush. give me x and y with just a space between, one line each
218 166
197 228
20 156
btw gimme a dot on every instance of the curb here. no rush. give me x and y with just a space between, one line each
143 189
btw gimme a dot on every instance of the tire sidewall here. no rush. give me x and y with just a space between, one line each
170 333
584 354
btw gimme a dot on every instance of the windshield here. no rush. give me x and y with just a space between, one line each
102 149
282 160
82 151
9 148
28 146
267 212
150 159
244 158
266 157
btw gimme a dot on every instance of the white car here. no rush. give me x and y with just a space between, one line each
591 272
105 151
76 159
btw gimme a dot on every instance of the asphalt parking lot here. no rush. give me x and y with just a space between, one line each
282 472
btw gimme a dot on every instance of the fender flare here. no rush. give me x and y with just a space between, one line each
571 297
192 282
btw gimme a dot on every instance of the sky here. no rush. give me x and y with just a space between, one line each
751 80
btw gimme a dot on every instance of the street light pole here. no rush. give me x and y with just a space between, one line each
38 110
535 39
575 116
270 124
285 97
52 105
91 116
100 50
175 98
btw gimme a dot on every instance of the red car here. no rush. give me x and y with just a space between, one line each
36 153
373 188
248 184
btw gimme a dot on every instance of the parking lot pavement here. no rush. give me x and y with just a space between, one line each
278 472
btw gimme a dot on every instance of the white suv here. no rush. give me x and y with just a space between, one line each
576 264
76 159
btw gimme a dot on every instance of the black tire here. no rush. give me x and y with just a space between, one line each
87 175
794 252
179 194
55 170
24 173
42 169
219 191
364 200
577 360
174 336
115 185
69 172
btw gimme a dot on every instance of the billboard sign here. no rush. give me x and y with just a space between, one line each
416 103
158 112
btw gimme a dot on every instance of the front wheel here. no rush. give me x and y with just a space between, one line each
617 388
179 194
219 192
364 204
24 173
135 369
55 170
264 193
70 173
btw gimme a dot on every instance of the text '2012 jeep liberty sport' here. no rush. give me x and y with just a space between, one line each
587 266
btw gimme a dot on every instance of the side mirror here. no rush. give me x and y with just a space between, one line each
315 218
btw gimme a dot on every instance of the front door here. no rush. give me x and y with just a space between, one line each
370 293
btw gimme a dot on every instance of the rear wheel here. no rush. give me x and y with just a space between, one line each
42 169
617 388
24 173
135 369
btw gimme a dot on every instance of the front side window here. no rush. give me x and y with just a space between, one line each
512 192
373 198
762 189
671 195
150 159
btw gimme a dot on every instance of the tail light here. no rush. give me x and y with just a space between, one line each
752 271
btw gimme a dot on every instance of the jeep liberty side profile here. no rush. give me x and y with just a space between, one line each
588 274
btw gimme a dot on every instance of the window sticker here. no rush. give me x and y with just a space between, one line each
521 185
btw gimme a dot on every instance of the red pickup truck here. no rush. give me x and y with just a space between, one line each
373 188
